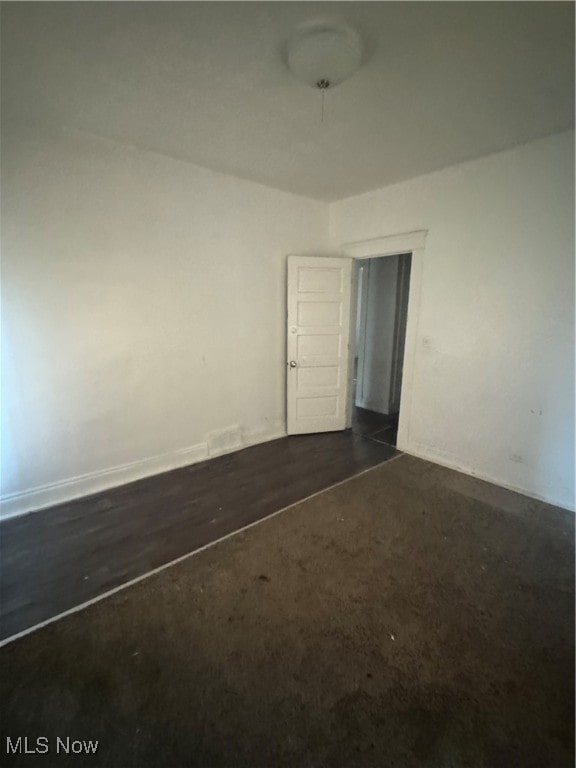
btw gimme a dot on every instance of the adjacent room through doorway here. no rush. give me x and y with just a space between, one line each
381 314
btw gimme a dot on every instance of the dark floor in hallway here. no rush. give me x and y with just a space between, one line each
58 558
379 427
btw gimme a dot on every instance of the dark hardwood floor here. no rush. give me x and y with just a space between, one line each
58 558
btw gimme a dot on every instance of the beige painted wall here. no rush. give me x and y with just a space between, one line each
493 387
143 313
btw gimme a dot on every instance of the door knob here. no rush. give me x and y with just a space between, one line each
292 363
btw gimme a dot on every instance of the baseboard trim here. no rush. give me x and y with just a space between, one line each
422 452
42 497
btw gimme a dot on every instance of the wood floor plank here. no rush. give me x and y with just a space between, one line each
58 558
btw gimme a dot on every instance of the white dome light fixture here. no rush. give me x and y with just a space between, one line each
324 54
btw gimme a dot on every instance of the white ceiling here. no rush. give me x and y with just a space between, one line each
206 82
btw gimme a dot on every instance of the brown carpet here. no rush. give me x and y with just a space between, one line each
410 617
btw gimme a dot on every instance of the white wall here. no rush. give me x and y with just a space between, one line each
143 311
493 387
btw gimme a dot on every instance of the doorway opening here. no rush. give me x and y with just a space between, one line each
381 314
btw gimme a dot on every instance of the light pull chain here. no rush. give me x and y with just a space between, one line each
323 85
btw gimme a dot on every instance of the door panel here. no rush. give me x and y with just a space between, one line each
317 345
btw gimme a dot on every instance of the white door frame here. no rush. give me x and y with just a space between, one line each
393 245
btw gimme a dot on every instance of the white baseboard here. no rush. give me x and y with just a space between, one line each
445 460
48 495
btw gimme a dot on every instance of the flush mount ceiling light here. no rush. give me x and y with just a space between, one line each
324 54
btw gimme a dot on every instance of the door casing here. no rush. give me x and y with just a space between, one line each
391 245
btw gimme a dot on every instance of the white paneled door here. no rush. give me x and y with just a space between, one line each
317 347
